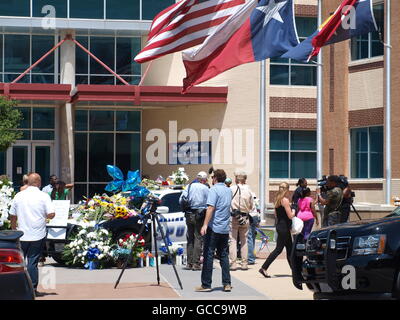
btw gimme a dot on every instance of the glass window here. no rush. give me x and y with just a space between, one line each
102 80
128 151
127 48
81 118
279 140
16 53
97 189
81 57
367 152
43 118
26 114
101 121
16 8
43 135
88 9
101 153
3 163
128 120
370 45
303 140
152 7
1 55
292 72
172 202
103 48
60 7
80 191
41 78
131 9
40 46
293 154
81 157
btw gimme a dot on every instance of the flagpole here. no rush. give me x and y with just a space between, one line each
319 103
388 127
263 148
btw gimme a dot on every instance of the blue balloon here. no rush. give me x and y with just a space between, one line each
130 184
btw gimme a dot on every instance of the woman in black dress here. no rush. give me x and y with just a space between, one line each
284 214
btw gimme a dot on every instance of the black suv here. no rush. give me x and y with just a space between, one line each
357 260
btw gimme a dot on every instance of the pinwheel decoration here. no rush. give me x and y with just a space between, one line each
130 184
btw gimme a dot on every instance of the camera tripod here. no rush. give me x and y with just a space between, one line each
149 212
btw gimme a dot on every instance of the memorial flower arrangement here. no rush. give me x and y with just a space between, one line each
124 247
90 248
6 195
179 177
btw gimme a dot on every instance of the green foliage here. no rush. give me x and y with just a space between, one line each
10 118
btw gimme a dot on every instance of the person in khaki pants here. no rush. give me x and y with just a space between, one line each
242 204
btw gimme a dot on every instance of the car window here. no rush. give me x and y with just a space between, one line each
395 213
172 202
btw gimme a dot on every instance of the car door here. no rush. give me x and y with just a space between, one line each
174 223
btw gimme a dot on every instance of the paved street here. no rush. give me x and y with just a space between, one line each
141 283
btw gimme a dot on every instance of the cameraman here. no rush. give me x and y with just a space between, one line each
332 202
346 204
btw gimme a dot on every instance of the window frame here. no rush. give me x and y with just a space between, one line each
368 153
87 132
289 151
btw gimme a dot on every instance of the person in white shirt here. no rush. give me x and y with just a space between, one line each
52 184
29 210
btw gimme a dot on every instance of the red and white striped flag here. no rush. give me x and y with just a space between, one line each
184 25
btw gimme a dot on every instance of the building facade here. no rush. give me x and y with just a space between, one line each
78 117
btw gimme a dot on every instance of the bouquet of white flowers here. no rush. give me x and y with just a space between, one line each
179 176
6 196
90 248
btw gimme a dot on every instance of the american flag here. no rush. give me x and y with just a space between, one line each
184 25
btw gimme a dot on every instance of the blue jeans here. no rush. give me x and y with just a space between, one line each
214 241
32 253
251 240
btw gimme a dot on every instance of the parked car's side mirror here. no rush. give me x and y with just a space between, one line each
162 210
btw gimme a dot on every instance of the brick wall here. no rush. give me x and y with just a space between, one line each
366 66
366 117
290 123
306 10
293 105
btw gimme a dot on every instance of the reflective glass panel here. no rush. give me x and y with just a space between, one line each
103 48
101 121
130 11
60 7
128 151
101 154
303 164
305 26
97 189
90 9
16 8
80 191
279 140
43 135
16 53
102 80
127 48
26 114
81 157
43 118
303 76
81 120
152 7
19 164
376 159
279 164
279 75
3 163
303 140
81 57
128 121
42 160
40 46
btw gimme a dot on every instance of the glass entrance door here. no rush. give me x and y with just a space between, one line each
30 157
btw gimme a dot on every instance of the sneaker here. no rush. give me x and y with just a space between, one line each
227 288
233 267
196 267
202 289
244 267
251 263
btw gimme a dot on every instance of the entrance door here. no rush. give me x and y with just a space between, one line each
27 157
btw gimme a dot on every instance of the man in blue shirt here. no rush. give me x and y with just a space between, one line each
216 231
196 193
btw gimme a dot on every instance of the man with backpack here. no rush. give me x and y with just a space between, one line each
194 203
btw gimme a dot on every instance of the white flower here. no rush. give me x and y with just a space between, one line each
181 169
101 256
92 245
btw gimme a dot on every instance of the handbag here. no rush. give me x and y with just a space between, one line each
297 225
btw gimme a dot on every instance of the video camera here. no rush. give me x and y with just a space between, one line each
343 184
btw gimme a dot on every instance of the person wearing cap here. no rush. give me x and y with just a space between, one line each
196 194
228 182
242 205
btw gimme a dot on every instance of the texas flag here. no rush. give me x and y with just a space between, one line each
353 18
258 30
